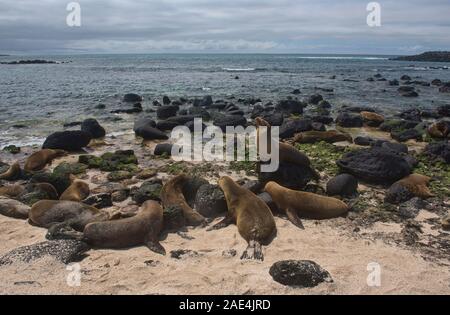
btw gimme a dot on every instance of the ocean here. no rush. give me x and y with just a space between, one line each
36 100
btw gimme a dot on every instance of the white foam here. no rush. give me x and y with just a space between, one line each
238 69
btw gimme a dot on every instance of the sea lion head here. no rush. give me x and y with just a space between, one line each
259 121
271 187
79 185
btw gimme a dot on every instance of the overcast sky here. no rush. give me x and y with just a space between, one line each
296 26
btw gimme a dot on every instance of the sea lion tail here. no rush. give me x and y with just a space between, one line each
253 251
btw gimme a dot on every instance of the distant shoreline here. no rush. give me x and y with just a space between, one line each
429 56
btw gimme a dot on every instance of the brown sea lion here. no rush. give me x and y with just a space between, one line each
77 191
38 160
252 216
305 204
445 222
416 184
287 153
13 208
172 196
440 129
11 191
372 118
143 228
48 213
330 136
14 172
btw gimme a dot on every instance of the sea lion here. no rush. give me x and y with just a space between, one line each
372 119
77 191
440 129
11 191
172 196
143 228
415 184
306 204
14 172
38 160
252 216
48 213
330 136
13 208
287 152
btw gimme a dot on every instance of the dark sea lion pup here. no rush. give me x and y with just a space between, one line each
14 172
252 216
38 160
172 196
306 204
143 228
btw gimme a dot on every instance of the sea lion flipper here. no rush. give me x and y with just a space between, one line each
293 217
222 224
155 246
63 231
253 251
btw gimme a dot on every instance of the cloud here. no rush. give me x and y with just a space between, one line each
223 25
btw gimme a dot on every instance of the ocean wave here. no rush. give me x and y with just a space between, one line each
238 69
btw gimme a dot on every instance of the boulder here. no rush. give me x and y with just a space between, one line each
375 165
166 100
438 151
444 110
69 140
166 111
210 201
132 98
405 135
349 120
342 185
290 107
149 190
93 127
315 99
299 273
163 148
293 126
230 121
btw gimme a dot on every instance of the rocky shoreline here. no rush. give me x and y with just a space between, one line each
388 169
429 56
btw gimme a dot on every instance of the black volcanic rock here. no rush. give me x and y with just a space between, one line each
132 98
375 165
92 126
300 273
69 140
